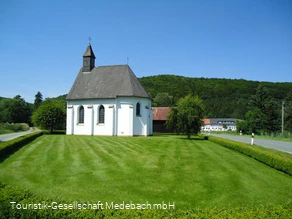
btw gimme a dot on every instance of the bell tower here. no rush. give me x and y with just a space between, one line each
88 59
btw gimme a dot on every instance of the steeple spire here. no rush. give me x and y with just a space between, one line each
89 52
88 59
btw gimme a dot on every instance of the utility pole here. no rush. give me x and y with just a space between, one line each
283 109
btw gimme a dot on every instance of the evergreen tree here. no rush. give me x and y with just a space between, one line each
38 100
264 114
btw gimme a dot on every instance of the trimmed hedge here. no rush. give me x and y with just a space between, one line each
9 194
270 159
203 137
9 147
55 132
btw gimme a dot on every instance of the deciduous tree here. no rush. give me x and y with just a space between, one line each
187 116
50 115
163 100
19 110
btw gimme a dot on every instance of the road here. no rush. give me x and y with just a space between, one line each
278 145
7 137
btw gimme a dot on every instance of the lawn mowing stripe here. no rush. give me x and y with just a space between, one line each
105 152
28 154
135 145
75 166
52 166
124 149
27 151
94 160
92 167
58 169
85 150
205 166
60 146
125 146
37 155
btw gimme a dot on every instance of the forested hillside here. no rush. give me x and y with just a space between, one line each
259 103
222 97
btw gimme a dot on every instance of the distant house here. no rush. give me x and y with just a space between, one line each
107 100
217 124
159 115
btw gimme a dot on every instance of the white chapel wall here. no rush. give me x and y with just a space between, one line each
120 117
90 125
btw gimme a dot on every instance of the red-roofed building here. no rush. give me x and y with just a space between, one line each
159 115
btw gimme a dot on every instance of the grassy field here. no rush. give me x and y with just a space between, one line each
191 173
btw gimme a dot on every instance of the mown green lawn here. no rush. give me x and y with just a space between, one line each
191 173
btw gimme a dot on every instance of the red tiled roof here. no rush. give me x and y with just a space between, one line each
160 113
206 121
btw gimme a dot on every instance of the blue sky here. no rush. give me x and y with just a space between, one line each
42 42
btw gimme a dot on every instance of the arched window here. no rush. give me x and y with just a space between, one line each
138 109
81 114
101 114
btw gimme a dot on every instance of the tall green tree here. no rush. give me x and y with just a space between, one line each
163 100
187 116
260 98
19 110
240 108
257 121
50 115
5 110
242 125
172 120
264 114
38 100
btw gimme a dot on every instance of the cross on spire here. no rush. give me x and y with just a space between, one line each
89 39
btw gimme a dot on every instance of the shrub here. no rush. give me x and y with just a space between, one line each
9 147
268 158
19 127
8 128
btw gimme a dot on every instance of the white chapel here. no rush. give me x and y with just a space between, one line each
107 100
